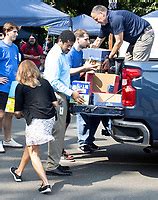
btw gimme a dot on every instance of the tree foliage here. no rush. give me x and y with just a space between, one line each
139 7
76 7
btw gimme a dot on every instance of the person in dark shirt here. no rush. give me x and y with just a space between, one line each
32 50
35 100
125 26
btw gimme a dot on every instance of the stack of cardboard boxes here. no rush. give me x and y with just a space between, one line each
101 87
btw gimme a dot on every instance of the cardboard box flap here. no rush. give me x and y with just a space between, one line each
106 99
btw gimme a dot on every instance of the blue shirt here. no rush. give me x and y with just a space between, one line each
124 21
75 59
9 60
57 70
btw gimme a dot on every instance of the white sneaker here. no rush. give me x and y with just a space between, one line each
12 143
2 150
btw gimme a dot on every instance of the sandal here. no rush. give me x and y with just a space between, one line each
67 156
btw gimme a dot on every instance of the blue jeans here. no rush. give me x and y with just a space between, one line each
86 128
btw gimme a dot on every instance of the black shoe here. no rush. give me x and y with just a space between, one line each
17 178
59 172
106 132
85 149
66 168
45 189
94 146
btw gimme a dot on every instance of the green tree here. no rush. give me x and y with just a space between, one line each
141 8
76 7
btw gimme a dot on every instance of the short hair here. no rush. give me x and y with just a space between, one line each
66 36
99 8
80 32
28 74
9 26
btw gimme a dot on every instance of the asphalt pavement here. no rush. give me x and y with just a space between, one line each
116 172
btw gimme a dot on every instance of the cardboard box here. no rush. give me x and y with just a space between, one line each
10 105
100 82
97 54
106 99
83 88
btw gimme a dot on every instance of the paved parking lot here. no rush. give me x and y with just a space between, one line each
116 172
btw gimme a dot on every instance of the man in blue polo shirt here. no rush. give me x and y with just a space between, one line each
125 26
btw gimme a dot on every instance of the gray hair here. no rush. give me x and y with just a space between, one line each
99 8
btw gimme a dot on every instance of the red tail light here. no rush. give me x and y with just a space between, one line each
128 92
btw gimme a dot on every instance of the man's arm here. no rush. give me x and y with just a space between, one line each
32 57
97 42
77 70
117 45
86 67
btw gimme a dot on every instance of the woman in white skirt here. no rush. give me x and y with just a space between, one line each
35 101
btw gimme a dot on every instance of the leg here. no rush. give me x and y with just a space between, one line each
24 161
16 172
82 129
105 121
2 150
65 154
32 152
68 116
143 45
1 118
36 163
87 126
107 126
55 147
7 125
93 125
3 102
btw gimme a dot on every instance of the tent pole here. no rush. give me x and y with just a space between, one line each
71 24
112 5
